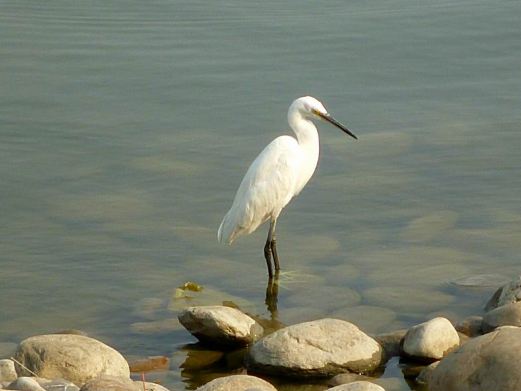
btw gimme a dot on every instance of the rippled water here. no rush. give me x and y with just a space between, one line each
126 126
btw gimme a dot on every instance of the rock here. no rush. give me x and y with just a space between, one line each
506 315
391 342
149 386
488 362
237 383
323 347
7 371
425 375
344 378
220 325
56 384
72 357
431 340
111 383
470 326
24 383
357 386
508 293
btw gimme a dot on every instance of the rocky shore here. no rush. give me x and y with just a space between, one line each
477 354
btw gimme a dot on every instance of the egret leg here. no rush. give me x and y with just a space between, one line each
273 245
270 250
267 255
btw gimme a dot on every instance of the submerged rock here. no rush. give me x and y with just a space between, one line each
431 340
323 347
72 357
237 383
391 342
111 383
488 362
506 315
357 386
220 325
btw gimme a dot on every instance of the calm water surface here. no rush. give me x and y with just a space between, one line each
126 126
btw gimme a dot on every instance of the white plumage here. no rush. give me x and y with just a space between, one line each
278 174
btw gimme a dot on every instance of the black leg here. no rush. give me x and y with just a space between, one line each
274 254
267 255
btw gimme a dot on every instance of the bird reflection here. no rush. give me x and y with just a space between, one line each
272 293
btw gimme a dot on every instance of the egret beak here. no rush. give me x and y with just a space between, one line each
333 121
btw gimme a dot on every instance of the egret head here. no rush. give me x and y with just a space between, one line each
311 108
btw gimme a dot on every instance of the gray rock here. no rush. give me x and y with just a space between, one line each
57 385
470 326
7 371
488 362
111 383
391 342
323 347
506 315
72 357
357 386
220 325
425 375
431 340
237 383
508 293
24 383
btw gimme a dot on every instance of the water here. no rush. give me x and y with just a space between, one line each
125 128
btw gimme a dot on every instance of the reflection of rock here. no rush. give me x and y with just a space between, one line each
220 325
431 340
197 359
488 362
320 348
508 293
361 385
426 373
506 315
345 378
237 383
72 357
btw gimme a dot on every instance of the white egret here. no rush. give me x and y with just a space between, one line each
278 174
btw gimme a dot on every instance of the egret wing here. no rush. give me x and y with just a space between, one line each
268 186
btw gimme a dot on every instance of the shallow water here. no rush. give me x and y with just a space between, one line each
125 128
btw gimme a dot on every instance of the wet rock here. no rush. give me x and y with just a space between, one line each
488 362
111 383
7 371
149 386
508 293
344 378
323 347
470 326
237 383
220 325
391 342
24 383
431 340
425 375
357 386
506 315
72 357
